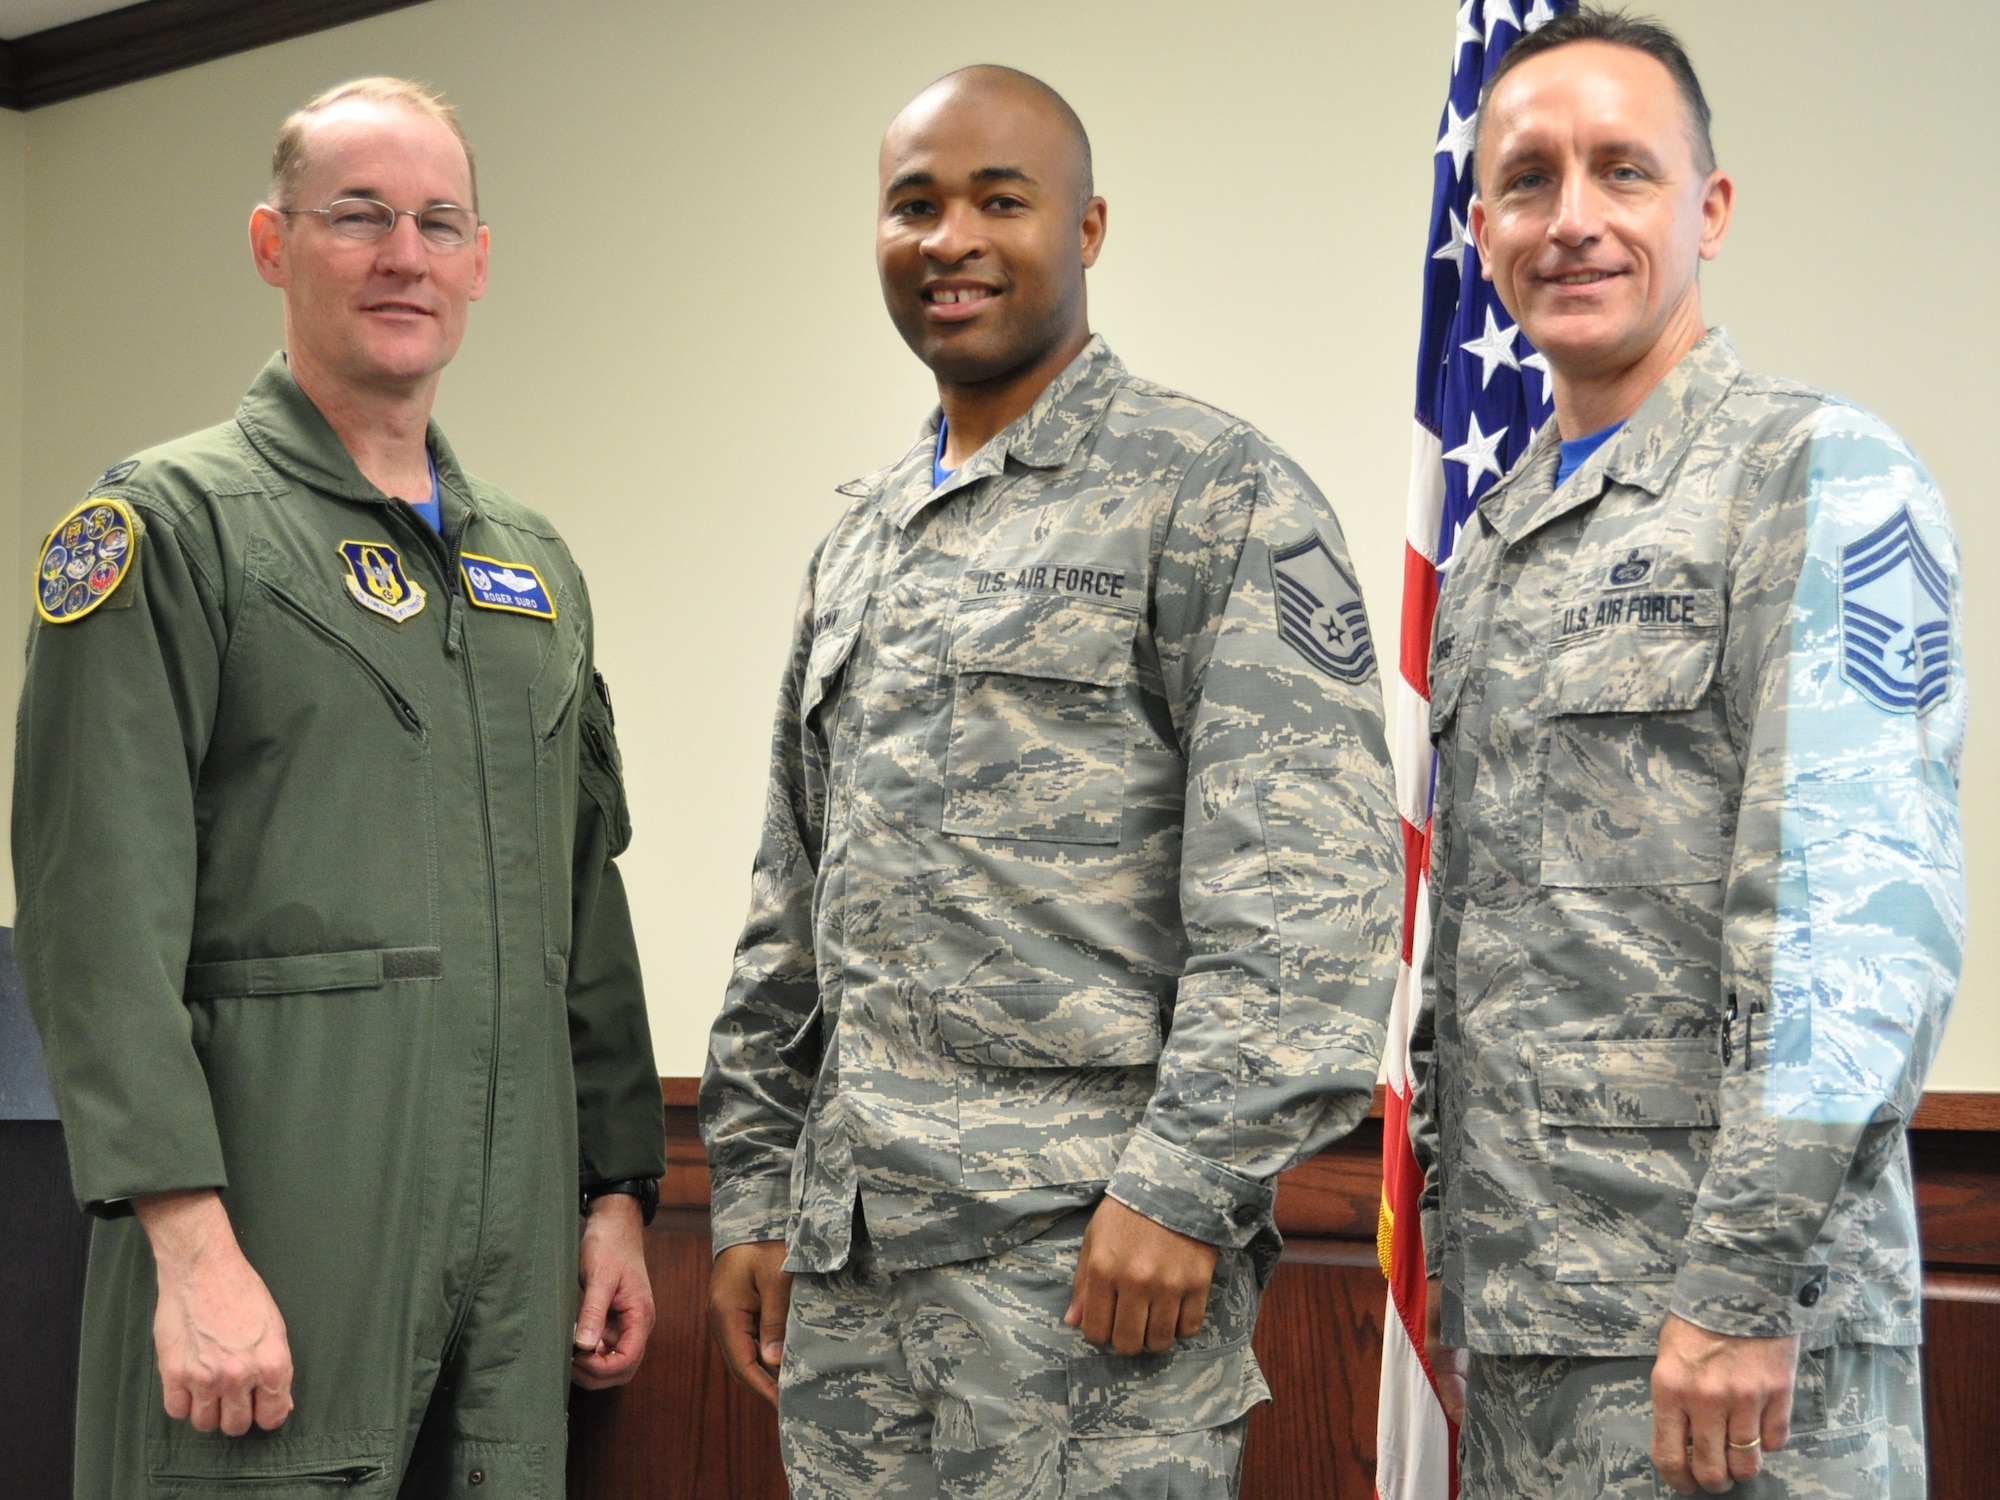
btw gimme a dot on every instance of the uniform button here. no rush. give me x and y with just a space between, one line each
477 1476
1809 1294
1244 1214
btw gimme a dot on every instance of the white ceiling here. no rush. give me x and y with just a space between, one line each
20 18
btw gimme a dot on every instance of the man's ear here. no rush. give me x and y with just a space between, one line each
1092 231
1475 229
267 243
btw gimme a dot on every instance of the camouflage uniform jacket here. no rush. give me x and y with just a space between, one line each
1079 863
1698 896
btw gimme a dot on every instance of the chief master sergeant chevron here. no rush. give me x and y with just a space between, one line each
1074 919
315 811
1698 706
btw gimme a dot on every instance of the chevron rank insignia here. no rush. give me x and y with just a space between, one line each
85 558
1319 611
514 587
376 579
1895 618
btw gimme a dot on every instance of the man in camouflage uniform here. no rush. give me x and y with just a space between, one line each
1074 918
1698 707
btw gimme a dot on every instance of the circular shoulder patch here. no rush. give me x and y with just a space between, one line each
85 558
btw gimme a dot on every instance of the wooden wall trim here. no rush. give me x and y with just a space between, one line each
158 36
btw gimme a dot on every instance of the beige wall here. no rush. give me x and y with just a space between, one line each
683 350
13 283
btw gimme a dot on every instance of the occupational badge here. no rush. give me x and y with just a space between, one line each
1895 618
1319 611
85 558
376 579
514 587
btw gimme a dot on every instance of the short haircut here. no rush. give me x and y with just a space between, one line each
1000 73
288 157
1590 23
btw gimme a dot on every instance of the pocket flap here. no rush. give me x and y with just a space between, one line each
1449 667
823 665
1633 1083
1113 1395
1050 1026
306 973
1069 640
1659 657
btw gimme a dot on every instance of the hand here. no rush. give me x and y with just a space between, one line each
614 1316
1139 1285
1710 1391
224 1359
1448 1365
749 1296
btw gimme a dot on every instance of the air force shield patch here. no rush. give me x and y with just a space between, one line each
514 587
1319 611
1895 618
376 579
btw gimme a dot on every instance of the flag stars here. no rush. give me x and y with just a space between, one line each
1468 28
1453 248
1539 15
1478 453
1499 13
1492 349
1539 363
1457 137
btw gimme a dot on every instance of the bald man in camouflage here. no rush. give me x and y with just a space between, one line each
1074 920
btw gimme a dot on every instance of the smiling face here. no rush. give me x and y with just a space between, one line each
381 315
985 231
1593 214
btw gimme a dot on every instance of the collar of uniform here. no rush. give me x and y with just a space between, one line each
1045 436
284 426
1643 455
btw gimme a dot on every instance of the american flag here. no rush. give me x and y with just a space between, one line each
1482 391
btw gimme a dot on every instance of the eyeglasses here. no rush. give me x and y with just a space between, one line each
444 225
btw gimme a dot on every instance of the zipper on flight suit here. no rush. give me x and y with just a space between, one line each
447 553
333 637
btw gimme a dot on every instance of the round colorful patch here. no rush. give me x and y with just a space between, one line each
86 557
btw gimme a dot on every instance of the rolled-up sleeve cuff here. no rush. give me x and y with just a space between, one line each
1190 1194
1745 1296
748 1210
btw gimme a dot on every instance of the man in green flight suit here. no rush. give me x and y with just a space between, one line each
316 803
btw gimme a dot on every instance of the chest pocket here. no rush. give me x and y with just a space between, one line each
1632 794
1038 734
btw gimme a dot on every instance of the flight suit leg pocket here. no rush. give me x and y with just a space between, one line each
183 1462
1038 722
1630 1123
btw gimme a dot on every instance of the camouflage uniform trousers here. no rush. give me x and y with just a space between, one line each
961 1382
1549 1427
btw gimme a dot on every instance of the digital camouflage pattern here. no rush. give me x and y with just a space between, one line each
962 1381
320 908
1074 872
1698 897
1552 1427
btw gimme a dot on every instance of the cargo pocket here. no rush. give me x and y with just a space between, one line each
1631 795
1630 1126
1052 1078
1038 734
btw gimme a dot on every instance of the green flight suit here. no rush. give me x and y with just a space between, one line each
318 907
